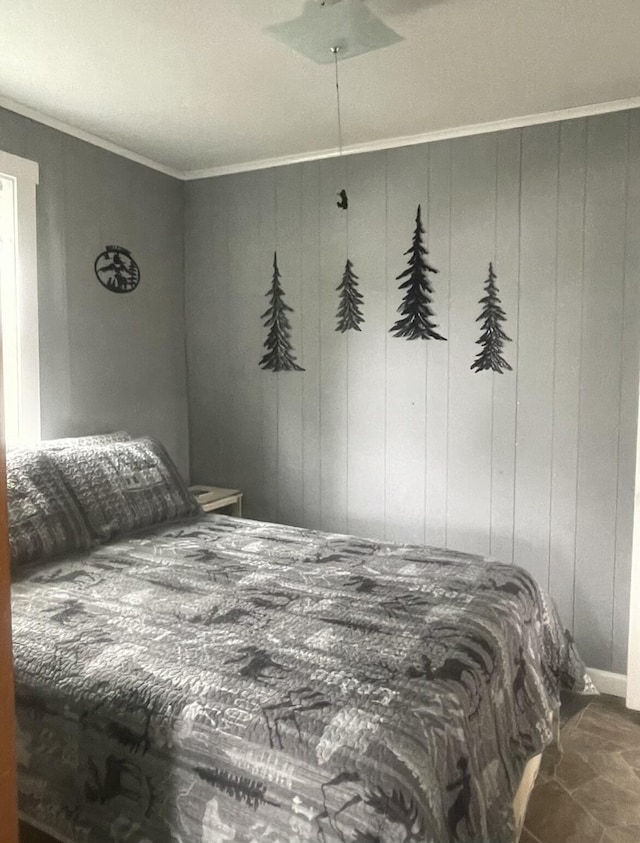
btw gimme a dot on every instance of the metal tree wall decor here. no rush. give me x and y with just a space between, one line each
116 270
493 337
278 357
417 315
349 314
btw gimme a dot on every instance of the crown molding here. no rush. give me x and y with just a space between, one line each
88 137
589 110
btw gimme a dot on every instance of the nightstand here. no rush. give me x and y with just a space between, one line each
212 498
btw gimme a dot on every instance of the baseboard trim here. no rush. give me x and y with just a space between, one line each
609 683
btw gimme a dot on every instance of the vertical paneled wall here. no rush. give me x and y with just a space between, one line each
107 362
401 440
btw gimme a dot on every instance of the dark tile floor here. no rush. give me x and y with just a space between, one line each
588 790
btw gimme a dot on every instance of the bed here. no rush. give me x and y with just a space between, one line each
183 678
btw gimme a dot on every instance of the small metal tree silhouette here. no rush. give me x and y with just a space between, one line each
493 337
349 314
278 357
417 323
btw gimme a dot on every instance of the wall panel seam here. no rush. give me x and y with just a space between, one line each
582 316
517 368
620 374
555 361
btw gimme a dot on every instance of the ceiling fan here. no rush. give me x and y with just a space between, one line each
327 28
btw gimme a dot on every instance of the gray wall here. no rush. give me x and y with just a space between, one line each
107 361
400 439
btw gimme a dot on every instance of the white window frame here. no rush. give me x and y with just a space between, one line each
25 176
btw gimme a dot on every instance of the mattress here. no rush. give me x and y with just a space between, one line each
227 680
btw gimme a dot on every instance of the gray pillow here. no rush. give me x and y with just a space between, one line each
44 519
77 441
122 486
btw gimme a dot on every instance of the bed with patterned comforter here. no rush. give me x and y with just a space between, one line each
218 679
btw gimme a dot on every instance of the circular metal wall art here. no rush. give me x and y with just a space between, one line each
116 270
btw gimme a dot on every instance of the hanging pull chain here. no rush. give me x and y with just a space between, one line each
335 51
344 199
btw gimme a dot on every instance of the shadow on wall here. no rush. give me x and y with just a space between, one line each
592 630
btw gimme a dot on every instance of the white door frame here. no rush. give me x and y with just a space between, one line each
633 664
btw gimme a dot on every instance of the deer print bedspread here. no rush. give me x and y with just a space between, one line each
227 680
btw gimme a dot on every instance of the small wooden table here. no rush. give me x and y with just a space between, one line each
212 498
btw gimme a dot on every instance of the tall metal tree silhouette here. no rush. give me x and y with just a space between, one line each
349 314
417 323
493 337
278 357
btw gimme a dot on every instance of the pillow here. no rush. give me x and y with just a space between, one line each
75 441
125 485
44 519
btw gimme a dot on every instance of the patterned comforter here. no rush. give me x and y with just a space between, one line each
227 680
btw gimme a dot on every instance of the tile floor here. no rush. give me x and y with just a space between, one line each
588 791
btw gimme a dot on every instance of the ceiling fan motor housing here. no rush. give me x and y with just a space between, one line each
326 24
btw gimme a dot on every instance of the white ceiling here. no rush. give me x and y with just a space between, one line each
197 84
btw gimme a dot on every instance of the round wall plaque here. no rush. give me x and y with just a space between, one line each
116 270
